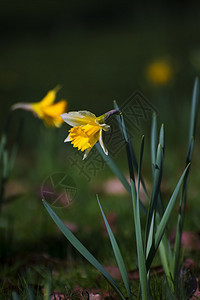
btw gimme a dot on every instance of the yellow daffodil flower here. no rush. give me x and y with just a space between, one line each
46 109
87 130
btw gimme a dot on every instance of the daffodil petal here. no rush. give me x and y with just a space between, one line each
102 143
25 106
79 138
68 139
55 110
78 118
50 97
86 113
87 151
105 127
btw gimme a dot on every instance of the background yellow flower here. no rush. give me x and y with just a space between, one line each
159 72
46 109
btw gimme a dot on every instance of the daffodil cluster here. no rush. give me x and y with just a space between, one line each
87 129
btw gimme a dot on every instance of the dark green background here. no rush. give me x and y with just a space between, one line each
98 51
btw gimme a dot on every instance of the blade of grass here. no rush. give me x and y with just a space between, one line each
125 134
138 231
180 221
117 253
179 228
4 177
151 218
129 150
150 238
2 145
162 137
164 220
194 111
82 249
154 141
29 294
136 204
162 143
47 290
164 248
15 296
165 259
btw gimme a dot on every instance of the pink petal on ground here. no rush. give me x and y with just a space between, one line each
95 296
113 271
72 227
190 240
114 187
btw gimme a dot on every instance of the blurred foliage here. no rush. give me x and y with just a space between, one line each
98 51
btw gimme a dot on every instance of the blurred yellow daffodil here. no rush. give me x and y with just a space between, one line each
159 72
87 129
46 109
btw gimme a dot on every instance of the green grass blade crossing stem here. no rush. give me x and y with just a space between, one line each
83 251
117 253
132 152
138 231
132 161
164 220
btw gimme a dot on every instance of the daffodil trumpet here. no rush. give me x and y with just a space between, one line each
46 109
87 129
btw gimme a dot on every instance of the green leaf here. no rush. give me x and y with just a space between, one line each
162 137
117 253
154 141
194 111
164 258
15 296
164 248
83 251
149 238
138 231
5 165
2 145
183 198
132 161
125 134
151 218
164 220
47 290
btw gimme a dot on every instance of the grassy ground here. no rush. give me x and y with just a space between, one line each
34 252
